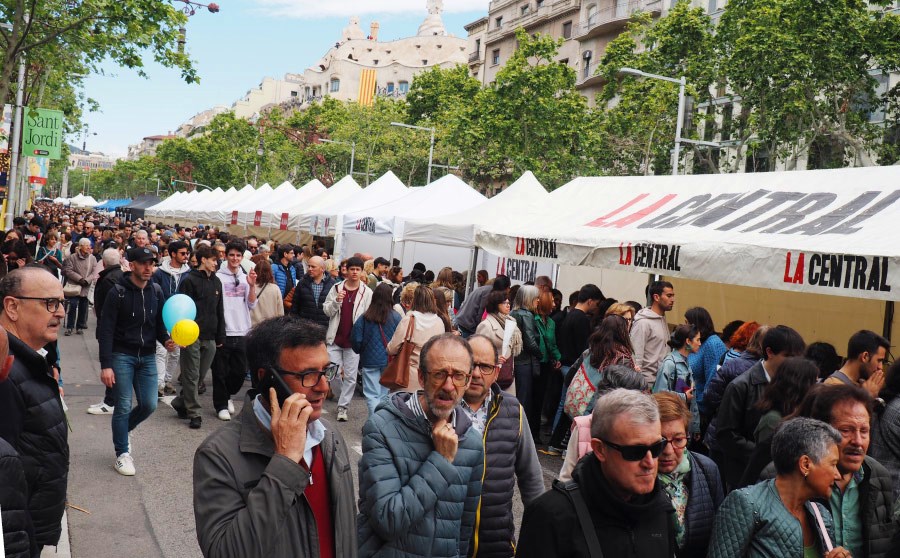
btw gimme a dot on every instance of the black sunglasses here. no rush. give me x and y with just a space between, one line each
309 378
636 453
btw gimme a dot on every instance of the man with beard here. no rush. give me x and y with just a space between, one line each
864 367
510 455
861 502
422 463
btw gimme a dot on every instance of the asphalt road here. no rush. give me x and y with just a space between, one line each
151 514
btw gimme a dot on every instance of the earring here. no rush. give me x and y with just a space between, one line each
805 474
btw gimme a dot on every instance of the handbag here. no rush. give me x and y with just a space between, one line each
71 289
581 392
507 373
396 375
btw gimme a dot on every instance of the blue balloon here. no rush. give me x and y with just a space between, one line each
178 307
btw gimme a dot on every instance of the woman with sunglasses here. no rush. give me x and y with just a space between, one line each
690 480
780 516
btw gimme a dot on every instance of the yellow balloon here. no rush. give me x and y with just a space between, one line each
185 332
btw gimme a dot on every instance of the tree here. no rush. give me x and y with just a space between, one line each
438 92
803 72
91 31
641 120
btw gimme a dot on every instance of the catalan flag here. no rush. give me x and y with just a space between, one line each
367 88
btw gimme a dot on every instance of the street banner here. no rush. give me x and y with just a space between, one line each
38 170
367 84
6 128
284 222
257 218
234 217
828 231
42 133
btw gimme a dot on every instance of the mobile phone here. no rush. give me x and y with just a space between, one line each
681 386
282 391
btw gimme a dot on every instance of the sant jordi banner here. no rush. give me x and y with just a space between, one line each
832 232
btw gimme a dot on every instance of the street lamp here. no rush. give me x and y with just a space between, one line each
430 151
352 145
682 82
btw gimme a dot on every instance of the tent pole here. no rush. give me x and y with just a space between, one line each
392 252
471 280
888 319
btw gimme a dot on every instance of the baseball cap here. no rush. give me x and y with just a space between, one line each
140 255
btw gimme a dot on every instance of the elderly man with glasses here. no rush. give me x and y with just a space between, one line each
614 505
276 481
510 455
31 411
422 462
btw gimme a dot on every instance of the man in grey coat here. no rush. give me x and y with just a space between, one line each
422 463
276 482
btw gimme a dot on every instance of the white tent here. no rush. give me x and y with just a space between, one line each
273 213
249 209
831 232
386 189
187 208
84 201
377 229
216 211
340 191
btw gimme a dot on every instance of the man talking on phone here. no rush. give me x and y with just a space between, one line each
276 481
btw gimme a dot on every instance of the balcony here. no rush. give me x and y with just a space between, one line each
589 78
534 17
614 18
474 57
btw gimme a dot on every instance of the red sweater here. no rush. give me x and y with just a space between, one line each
319 497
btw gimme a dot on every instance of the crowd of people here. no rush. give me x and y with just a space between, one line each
671 441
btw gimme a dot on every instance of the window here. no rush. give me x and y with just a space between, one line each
592 14
498 22
713 6
404 87
335 85
293 93
525 9
727 121
495 56
477 45
375 62
567 30
424 62
540 4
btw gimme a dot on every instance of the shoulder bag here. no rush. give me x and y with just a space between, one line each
572 492
71 289
396 375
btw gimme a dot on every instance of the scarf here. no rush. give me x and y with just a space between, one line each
675 486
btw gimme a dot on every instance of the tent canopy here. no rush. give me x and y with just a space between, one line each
385 189
826 231
340 191
520 199
446 195
273 212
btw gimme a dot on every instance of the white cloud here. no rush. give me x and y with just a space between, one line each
315 9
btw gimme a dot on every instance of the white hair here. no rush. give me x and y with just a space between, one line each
640 408
111 257
84 241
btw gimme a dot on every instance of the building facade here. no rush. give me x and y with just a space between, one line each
91 161
147 146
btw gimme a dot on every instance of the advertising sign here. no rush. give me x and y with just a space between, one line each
42 133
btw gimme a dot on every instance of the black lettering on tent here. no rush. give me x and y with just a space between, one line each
831 219
737 203
776 199
874 275
837 270
848 226
859 277
813 275
848 259
796 212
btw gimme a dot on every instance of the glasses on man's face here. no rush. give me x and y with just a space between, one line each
486 368
679 442
438 377
51 303
638 452
310 378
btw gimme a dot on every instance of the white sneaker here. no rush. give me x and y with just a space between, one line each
231 406
224 415
100 409
125 465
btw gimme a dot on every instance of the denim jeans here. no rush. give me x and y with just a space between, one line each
372 389
77 305
136 374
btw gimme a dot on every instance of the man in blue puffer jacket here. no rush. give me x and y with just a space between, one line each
422 463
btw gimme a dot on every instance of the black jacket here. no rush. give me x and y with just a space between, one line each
572 335
206 291
509 456
131 322
18 533
737 420
705 495
33 422
306 305
643 527
107 279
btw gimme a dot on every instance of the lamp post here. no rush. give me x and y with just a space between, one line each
352 145
682 82
430 151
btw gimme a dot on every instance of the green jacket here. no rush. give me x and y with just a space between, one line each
546 331
753 523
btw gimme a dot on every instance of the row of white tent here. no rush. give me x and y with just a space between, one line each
830 232
80 201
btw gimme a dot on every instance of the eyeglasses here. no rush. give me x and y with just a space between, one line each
309 378
679 442
51 303
636 453
485 368
438 377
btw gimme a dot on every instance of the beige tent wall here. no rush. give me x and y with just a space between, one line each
817 317
620 285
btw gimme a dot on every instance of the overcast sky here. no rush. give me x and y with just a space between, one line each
233 50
